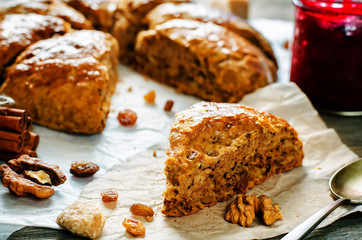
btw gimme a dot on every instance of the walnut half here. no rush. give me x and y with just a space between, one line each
244 208
27 175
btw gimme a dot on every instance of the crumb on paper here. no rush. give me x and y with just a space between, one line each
129 89
82 218
154 153
168 106
286 44
150 97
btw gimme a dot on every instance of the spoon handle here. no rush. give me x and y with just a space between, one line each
303 229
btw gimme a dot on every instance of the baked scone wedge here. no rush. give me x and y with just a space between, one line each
102 13
66 82
55 8
218 150
130 21
204 13
203 59
17 31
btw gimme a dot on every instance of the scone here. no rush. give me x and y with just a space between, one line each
204 13
66 82
129 22
55 8
102 13
108 16
203 59
17 31
218 150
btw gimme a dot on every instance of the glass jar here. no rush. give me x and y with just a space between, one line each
327 54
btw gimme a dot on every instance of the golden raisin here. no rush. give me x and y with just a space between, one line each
168 106
127 118
109 196
150 97
134 227
83 169
141 210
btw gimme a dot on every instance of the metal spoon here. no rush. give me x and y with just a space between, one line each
346 186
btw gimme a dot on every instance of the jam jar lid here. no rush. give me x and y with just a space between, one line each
349 7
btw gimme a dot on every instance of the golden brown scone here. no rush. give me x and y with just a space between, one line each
17 31
218 150
54 8
130 21
66 82
204 13
203 59
102 13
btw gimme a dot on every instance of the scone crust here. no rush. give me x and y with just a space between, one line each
101 13
204 13
55 8
17 31
220 65
66 82
218 150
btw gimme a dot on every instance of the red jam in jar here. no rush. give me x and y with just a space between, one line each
327 54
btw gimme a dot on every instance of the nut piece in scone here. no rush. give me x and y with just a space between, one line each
82 218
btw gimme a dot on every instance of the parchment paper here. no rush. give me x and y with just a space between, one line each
300 192
116 144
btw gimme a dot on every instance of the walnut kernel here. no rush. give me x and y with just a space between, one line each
243 209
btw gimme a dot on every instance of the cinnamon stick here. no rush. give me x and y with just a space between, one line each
13 112
11 142
12 123
33 141
28 123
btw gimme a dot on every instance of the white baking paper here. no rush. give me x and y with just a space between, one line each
300 192
141 179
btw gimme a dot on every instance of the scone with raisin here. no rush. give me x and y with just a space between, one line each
17 31
218 150
55 8
203 59
66 82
